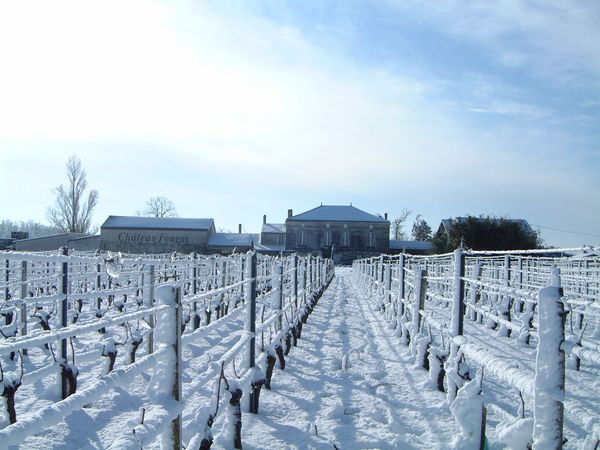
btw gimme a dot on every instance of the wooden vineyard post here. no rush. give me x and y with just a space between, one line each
98 287
6 279
23 311
196 323
149 303
482 440
473 292
251 327
318 283
310 275
318 272
280 296
549 368
458 300
506 301
295 282
520 274
176 423
387 277
313 277
64 322
305 277
312 261
168 341
401 291
224 267
418 304
381 271
243 276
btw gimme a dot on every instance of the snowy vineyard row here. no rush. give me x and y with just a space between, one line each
76 327
519 320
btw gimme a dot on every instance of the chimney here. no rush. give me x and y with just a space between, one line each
264 218
240 228
385 216
290 213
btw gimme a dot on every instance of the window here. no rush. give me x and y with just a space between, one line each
327 235
300 236
345 237
371 236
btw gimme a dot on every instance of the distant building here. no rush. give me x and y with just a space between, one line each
342 232
6 243
45 243
228 243
272 238
136 234
85 243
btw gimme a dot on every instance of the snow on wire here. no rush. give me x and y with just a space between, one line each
97 322
484 312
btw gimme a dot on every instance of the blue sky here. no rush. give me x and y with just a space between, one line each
238 109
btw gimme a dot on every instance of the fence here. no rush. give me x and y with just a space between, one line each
62 314
516 317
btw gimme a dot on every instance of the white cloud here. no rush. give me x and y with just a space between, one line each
553 40
208 109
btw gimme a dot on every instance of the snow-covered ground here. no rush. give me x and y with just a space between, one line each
349 384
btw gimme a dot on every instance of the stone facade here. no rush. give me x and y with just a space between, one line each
272 233
344 233
155 235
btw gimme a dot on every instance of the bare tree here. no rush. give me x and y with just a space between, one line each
72 210
159 207
398 223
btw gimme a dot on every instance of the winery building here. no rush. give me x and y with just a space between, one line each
134 234
341 232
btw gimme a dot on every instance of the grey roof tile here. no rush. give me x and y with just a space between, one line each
157 223
338 213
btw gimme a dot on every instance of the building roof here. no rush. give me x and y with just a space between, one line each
411 245
166 223
273 228
230 240
448 224
90 237
50 236
337 213
275 248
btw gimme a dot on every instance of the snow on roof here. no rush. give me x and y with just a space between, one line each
92 236
48 236
411 245
171 223
338 213
273 228
230 240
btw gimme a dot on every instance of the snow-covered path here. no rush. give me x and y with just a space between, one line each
349 384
